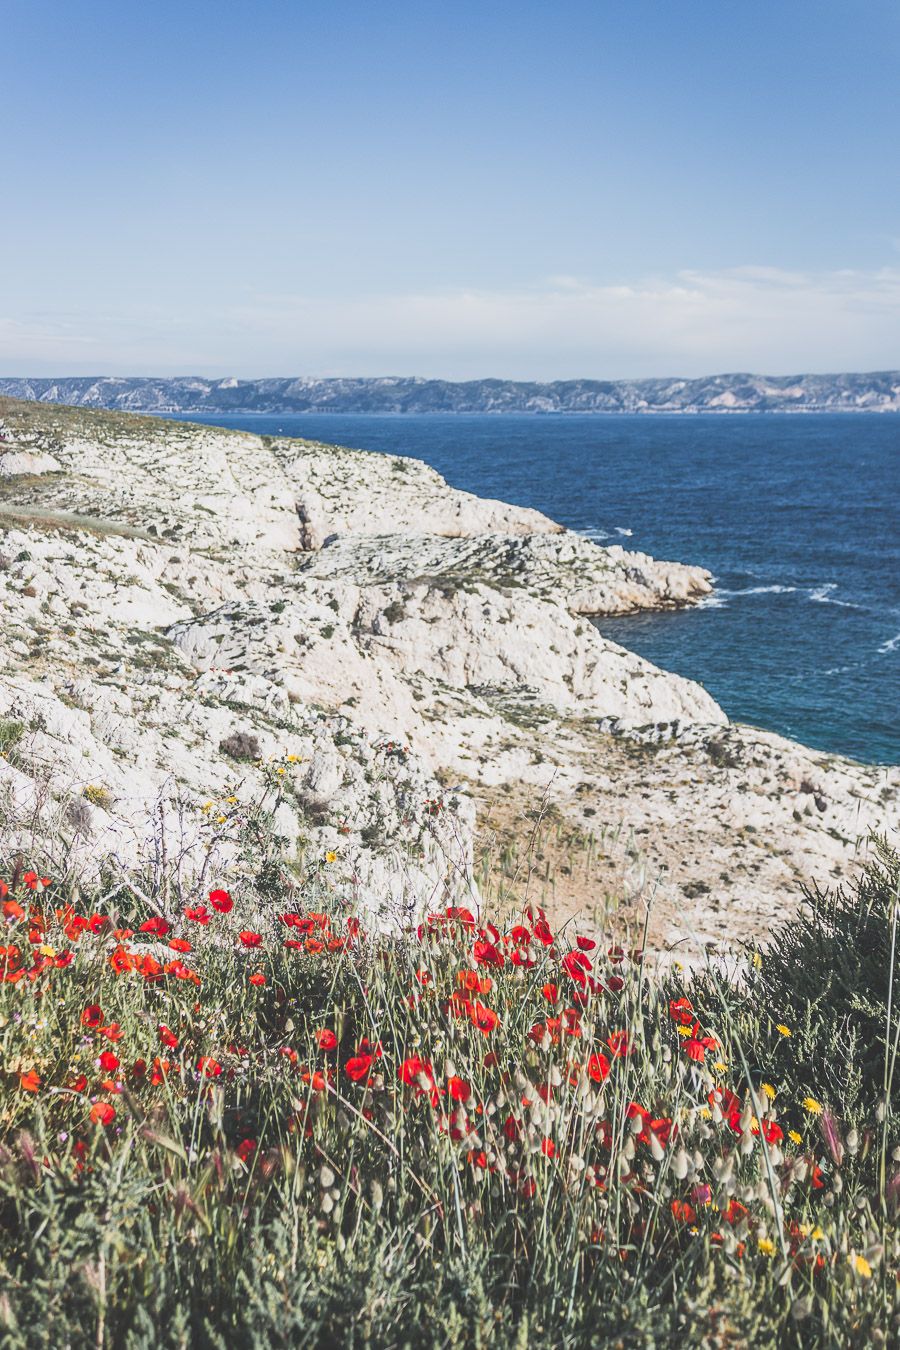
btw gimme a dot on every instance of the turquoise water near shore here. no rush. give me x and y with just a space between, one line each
798 518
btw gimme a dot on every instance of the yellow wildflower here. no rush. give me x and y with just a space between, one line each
757 961
720 1066
766 1246
812 1106
768 1089
231 801
331 856
207 807
280 769
292 759
783 1030
221 820
684 1031
817 1234
47 951
795 1137
861 1266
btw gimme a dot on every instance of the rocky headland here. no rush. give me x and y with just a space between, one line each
406 678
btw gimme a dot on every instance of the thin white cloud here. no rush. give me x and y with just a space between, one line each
748 318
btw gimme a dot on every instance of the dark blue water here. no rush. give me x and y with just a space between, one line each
797 517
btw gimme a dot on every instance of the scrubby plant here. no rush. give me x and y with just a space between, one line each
231 1122
829 978
241 745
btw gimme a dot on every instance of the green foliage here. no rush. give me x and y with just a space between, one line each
279 1199
830 975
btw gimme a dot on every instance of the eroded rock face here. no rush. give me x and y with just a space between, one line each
563 569
201 624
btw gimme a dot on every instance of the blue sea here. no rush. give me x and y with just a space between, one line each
798 518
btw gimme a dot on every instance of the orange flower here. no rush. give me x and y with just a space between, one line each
121 961
258 978
30 1081
102 1113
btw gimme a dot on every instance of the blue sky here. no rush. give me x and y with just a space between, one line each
535 190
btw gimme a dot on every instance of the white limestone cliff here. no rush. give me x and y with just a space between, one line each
198 622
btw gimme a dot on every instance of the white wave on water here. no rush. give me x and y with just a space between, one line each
822 595
715 600
891 645
762 590
626 533
594 534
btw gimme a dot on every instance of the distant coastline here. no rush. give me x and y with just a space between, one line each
871 392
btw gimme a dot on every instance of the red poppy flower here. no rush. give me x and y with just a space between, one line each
550 992
77 1084
548 1148
121 961
209 1067
250 939
167 1037
113 1032
357 1067
683 1212
414 1068
246 1149
482 1017
30 1081
681 1010
158 927
585 944
102 1113
542 932
575 964
459 1089
92 1015
258 978
326 1039
221 901
108 1061
179 945
197 914
620 1044
598 1068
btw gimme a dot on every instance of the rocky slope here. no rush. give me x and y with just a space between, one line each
200 625
876 391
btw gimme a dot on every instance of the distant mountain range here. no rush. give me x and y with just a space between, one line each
878 391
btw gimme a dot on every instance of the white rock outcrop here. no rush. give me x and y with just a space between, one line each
200 625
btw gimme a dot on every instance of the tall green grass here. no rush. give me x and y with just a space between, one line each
545 1150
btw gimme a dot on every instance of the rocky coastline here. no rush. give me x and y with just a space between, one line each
196 620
